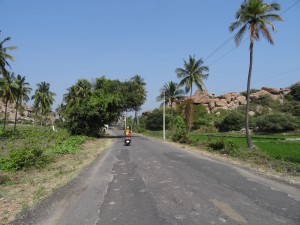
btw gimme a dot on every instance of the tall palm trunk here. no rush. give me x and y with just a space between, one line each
16 114
249 142
136 119
5 114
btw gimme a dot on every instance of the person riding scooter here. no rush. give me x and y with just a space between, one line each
127 132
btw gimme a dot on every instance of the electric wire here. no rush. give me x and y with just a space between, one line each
228 40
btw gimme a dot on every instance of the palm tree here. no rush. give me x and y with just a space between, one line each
43 99
4 56
171 93
192 73
70 98
137 79
22 92
254 16
77 92
8 91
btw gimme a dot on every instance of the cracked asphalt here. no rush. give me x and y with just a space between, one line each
151 182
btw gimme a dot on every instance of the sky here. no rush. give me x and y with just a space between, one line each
61 41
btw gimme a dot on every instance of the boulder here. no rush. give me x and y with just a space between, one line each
222 103
271 90
211 104
227 97
258 94
251 113
201 97
242 100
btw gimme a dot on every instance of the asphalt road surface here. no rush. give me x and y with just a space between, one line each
151 182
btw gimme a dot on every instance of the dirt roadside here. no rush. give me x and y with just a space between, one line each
28 188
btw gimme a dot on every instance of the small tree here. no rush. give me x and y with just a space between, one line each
179 128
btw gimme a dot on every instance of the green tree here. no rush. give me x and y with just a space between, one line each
102 105
8 89
43 99
192 73
141 93
4 56
22 92
171 93
78 92
255 16
295 91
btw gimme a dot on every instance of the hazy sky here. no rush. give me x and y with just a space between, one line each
61 41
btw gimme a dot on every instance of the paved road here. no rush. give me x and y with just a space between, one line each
151 183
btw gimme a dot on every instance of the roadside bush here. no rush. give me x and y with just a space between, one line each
217 145
231 148
232 122
70 146
24 158
295 91
180 132
275 123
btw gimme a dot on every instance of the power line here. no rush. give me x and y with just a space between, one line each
224 43
218 59
290 7
218 48
278 75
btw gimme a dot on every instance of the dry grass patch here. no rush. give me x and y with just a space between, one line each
26 188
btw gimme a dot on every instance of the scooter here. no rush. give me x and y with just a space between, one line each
127 141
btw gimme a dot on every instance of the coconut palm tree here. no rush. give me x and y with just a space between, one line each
4 56
192 73
43 99
137 79
171 93
22 92
254 16
8 91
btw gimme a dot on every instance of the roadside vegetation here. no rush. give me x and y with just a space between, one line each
34 161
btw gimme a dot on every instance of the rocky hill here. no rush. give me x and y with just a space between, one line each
24 113
233 100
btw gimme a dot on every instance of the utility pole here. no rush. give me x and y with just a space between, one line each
164 118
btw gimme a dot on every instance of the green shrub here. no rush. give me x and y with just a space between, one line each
275 123
217 145
231 148
295 91
232 122
180 132
70 146
292 107
22 158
